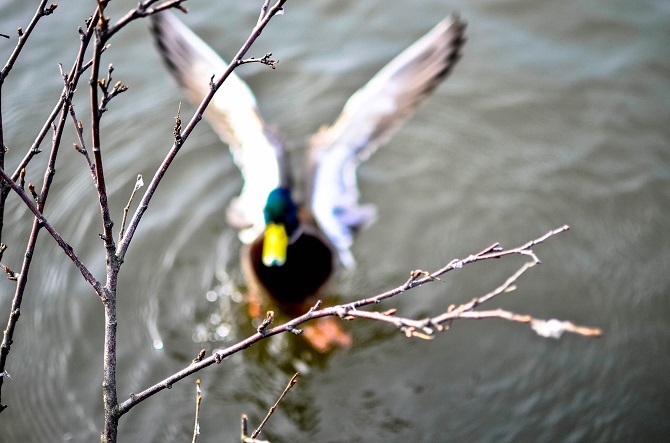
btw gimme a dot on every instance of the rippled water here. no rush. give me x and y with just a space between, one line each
558 113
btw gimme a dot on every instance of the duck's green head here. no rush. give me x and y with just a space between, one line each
281 220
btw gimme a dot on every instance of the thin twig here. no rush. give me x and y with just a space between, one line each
96 115
244 427
11 275
108 95
265 60
73 80
508 285
143 10
290 384
122 247
78 125
264 11
138 184
4 72
198 399
24 34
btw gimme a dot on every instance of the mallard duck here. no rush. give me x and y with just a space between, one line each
294 249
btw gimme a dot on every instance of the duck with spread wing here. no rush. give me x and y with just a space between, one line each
293 249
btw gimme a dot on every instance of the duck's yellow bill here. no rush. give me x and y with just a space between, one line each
275 243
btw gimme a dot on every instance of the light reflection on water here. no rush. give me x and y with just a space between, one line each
557 114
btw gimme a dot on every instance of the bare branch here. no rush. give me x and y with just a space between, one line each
244 427
41 11
78 125
11 275
198 400
264 11
138 184
73 80
143 10
108 95
96 114
424 328
265 60
291 383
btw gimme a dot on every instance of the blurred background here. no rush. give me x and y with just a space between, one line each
557 114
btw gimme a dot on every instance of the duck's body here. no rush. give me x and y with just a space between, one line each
293 261
302 275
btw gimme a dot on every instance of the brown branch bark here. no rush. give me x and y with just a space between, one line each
96 112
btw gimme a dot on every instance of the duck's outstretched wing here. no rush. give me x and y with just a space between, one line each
233 114
369 118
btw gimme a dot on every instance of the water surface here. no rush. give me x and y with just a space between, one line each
557 114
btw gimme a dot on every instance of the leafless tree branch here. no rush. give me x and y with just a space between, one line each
138 184
41 11
24 34
288 387
198 400
424 328
8 183
265 60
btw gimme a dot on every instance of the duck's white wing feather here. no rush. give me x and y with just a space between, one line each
369 118
233 114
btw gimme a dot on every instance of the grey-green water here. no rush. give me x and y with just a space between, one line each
558 113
